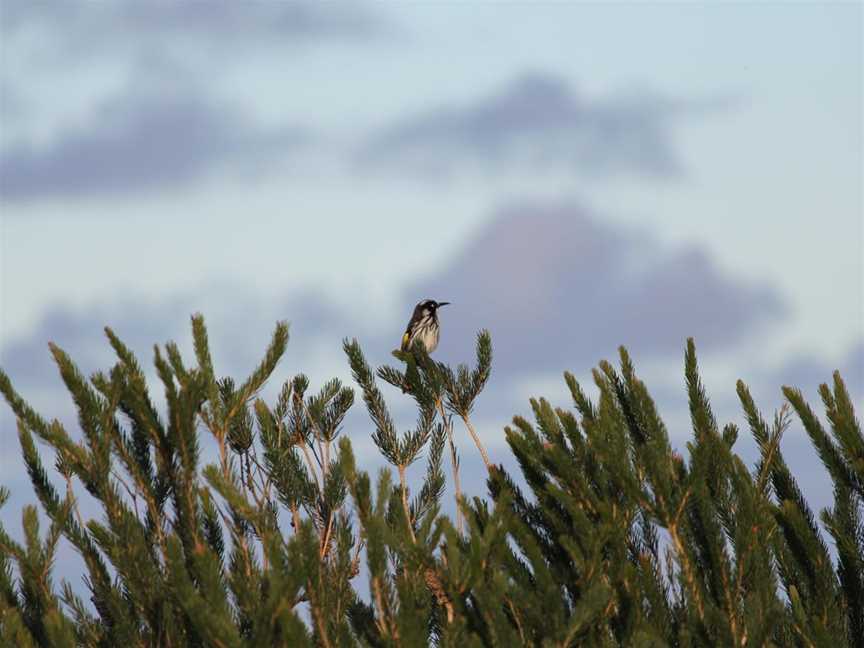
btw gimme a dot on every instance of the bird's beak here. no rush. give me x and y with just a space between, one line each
440 304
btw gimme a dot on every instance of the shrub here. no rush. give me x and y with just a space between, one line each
607 536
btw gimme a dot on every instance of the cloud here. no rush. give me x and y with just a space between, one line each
800 370
139 141
560 289
211 23
807 372
536 121
557 287
239 320
12 104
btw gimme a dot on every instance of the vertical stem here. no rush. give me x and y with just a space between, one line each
684 561
309 463
250 483
477 442
325 541
318 437
295 519
321 454
223 454
454 462
405 503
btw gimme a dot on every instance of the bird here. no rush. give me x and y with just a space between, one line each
423 326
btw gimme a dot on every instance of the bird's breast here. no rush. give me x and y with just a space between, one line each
429 337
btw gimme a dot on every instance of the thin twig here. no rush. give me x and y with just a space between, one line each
405 503
325 541
319 435
437 588
303 447
476 438
454 462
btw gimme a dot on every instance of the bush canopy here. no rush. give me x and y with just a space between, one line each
606 536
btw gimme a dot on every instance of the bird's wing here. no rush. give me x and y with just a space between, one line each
406 338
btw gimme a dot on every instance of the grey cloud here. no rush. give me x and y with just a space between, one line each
277 19
538 120
560 289
12 104
142 141
804 371
211 22
161 139
239 323
807 372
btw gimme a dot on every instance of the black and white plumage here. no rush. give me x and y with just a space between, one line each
423 326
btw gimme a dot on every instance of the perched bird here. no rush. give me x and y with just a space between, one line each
423 326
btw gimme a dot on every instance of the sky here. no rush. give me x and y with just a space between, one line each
572 176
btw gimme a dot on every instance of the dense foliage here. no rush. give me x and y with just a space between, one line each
608 537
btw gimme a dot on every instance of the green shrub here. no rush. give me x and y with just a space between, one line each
608 537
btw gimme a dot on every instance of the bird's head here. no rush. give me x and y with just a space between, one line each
430 306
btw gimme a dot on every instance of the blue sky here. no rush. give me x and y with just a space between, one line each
572 176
